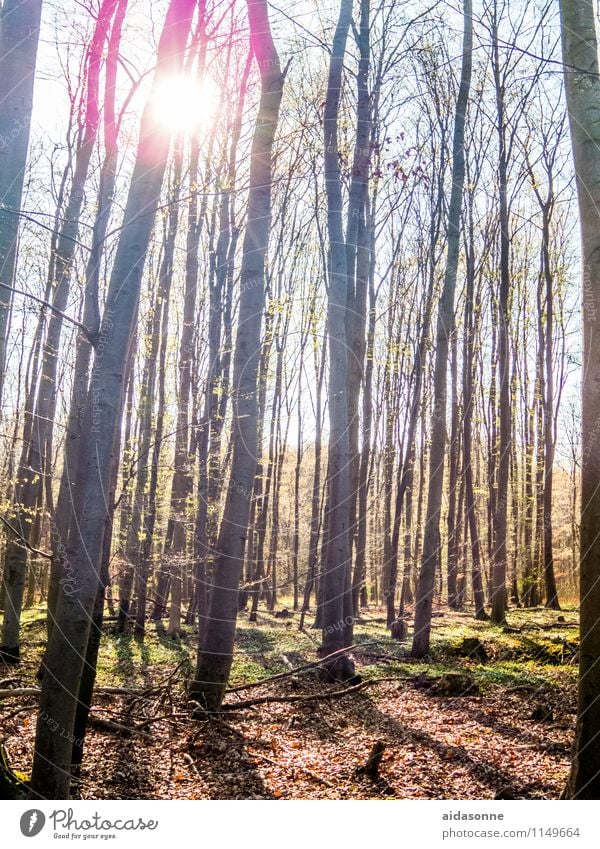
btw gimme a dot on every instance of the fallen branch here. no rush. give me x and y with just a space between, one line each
116 727
306 697
122 691
298 669
203 716
110 691
32 622
19 691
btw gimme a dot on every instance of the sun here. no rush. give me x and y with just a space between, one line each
182 103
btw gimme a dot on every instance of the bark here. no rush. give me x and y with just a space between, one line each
68 645
19 37
215 656
500 513
582 77
337 627
445 325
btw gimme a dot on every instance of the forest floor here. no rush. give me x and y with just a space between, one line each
507 732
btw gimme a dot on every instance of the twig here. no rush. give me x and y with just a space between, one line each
189 760
35 691
20 537
9 716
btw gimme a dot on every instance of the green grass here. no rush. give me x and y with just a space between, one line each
536 656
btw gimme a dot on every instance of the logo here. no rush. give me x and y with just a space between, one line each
32 822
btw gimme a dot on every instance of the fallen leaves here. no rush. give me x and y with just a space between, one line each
435 747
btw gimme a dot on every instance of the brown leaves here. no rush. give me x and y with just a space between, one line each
435 748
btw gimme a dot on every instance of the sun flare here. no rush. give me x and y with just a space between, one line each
185 104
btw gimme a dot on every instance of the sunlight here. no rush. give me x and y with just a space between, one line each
186 104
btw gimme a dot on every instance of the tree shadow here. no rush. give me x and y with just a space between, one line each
228 769
511 732
491 776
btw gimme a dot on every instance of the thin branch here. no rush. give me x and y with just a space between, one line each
22 539
92 339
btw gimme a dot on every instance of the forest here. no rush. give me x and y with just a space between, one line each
299 399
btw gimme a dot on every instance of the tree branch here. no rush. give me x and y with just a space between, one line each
91 337
21 538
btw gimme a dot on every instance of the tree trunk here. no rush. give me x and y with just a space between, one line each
91 317
445 325
68 645
582 77
337 628
500 513
19 37
38 467
216 653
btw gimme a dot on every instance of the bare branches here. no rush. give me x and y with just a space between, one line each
91 337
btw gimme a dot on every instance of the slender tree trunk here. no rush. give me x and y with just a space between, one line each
445 326
91 315
358 248
68 644
500 516
468 404
548 401
454 514
38 467
216 653
582 77
360 568
315 513
19 37
337 627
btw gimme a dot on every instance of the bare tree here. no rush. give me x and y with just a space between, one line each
19 37
216 652
68 644
582 78
445 327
